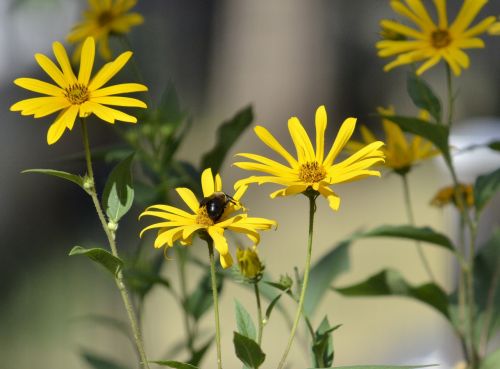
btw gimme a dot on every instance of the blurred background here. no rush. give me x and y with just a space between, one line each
285 58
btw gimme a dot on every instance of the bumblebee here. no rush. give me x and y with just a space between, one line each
216 203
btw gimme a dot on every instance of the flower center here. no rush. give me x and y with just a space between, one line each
312 172
440 38
77 94
104 18
203 218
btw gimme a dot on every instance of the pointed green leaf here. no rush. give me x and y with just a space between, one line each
244 321
248 351
423 96
174 364
425 234
227 135
435 133
99 362
390 282
118 194
323 273
492 361
100 256
270 308
322 347
485 188
57 173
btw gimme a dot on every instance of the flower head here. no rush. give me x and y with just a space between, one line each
180 225
311 170
77 96
400 153
102 19
250 265
432 41
446 195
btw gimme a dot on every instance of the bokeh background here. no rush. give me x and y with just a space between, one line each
284 58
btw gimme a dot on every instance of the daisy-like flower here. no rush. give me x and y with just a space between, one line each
180 225
102 19
432 41
400 153
77 96
311 169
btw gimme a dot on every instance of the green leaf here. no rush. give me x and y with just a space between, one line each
118 194
485 188
200 353
227 135
492 361
322 347
390 282
330 266
425 234
244 321
494 145
271 306
100 362
200 301
174 364
100 256
435 133
248 351
423 96
57 173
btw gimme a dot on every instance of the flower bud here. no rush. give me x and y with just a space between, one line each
249 263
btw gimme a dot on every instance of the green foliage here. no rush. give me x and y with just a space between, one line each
244 321
425 234
322 345
248 351
485 188
227 134
492 361
100 256
422 96
330 266
118 194
271 306
57 173
390 282
200 301
199 353
174 364
99 362
435 133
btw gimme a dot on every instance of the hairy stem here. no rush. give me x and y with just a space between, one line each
259 313
216 301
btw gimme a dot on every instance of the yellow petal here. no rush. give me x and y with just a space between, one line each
225 260
207 182
189 198
64 120
267 161
290 190
218 183
105 113
343 136
270 141
109 70
170 209
62 59
441 11
51 69
303 145
119 101
333 199
39 86
119 89
320 121
220 242
86 61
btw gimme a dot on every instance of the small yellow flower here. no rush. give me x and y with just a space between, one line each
80 96
102 19
180 225
400 154
433 41
311 169
446 195
249 263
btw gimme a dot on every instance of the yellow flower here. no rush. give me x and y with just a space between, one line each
80 96
446 195
104 18
400 154
249 263
312 169
180 225
433 41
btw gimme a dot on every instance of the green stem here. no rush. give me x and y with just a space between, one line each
182 279
259 313
312 210
112 244
216 301
411 220
451 99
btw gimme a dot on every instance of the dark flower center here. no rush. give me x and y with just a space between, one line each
312 172
105 18
440 38
77 93
203 218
